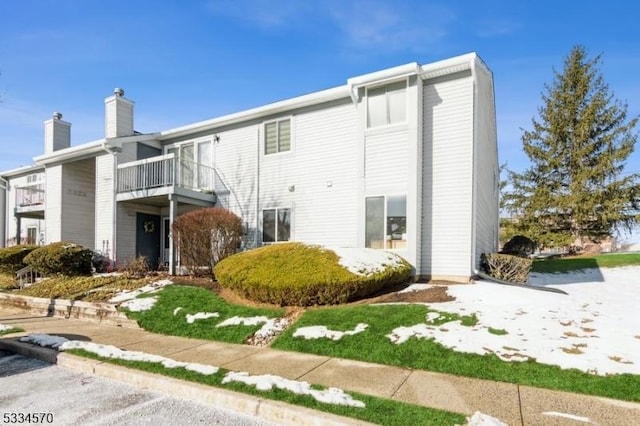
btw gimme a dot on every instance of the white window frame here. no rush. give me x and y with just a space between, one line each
196 153
386 196
277 121
276 230
388 121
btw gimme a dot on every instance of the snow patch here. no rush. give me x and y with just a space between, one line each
112 352
365 261
5 327
481 419
267 382
44 340
139 305
272 326
243 321
132 294
567 416
199 316
320 331
176 310
416 287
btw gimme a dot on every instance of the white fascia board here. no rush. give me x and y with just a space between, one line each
254 113
21 171
89 149
384 75
448 66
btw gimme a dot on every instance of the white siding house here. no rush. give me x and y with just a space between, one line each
403 159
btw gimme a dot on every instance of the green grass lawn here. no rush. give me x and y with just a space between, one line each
373 345
377 410
10 330
567 264
161 318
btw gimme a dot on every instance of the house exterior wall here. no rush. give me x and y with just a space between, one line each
447 177
126 229
8 204
485 167
78 202
53 209
105 204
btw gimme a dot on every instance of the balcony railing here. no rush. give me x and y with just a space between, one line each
163 171
31 194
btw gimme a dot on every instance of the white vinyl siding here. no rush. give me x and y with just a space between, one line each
447 177
386 161
105 200
78 202
486 169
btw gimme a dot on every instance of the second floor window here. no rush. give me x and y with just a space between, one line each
387 104
277 136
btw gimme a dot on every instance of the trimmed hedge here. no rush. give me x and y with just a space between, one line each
63 258
302 275
12 258
507 267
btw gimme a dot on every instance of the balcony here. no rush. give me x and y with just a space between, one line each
152 179
30 199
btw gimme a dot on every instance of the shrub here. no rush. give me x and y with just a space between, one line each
136 268
519 245
64 258
206 236
12 258
303 275
507 267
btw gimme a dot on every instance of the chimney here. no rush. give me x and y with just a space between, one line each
118 119
57 134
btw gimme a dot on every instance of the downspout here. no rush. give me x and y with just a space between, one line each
113 151
257 230
5 186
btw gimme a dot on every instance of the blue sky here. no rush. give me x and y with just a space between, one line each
190 60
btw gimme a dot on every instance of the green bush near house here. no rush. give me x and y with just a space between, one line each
12 258
61 258
302 275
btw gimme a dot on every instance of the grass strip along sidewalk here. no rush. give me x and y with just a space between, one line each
567 264
376 410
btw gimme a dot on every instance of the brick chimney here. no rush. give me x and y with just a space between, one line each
57 134
118 115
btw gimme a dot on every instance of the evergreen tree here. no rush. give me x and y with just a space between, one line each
575 186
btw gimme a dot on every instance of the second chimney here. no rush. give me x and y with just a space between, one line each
118 115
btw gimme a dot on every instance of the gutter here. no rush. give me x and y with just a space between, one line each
5 215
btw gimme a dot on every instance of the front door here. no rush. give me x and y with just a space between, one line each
148 238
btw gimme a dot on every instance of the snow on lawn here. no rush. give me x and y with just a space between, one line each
320 331
5 327
261 382
593 329
243 321
132 294
200 315
364 261
268 382
139 305
481 419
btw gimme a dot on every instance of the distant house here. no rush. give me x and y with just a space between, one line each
404 159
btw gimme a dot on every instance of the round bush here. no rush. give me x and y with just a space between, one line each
64 258
519 245
12 258
302 275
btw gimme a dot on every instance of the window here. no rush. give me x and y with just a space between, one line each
386 222
277 136
387 104
276 225
194 160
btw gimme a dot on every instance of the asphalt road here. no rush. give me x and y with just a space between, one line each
32 386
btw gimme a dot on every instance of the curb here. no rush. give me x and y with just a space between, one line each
266 409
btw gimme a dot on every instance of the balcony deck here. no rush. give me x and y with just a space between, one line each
151 180
30 200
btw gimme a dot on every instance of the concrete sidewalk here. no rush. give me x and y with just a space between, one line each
513 404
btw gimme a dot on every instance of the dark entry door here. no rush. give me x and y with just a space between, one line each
148 237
